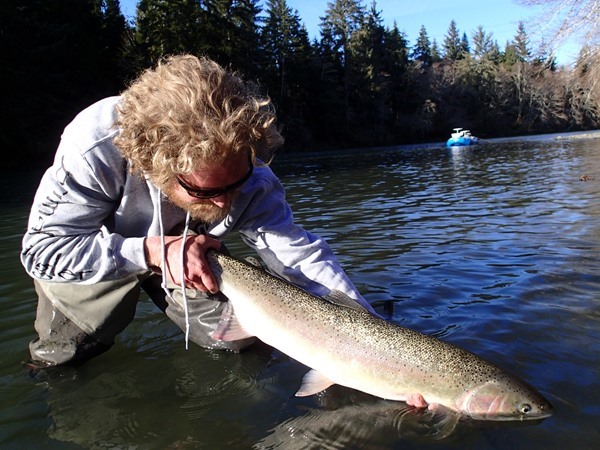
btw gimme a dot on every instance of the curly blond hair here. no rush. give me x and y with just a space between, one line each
188 112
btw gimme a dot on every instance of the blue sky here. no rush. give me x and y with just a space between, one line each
498 17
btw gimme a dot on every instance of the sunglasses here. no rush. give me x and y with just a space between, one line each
212 193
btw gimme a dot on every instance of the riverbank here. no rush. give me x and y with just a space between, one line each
586 135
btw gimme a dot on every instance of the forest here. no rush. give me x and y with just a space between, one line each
359 84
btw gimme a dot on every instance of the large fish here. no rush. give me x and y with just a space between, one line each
348 346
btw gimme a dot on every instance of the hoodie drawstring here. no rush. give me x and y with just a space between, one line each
183 293
182 261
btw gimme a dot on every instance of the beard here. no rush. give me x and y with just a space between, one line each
200 209
206 212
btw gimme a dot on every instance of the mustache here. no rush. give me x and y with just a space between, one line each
207 212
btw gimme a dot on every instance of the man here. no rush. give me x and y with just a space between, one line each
141 187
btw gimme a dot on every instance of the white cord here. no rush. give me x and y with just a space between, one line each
163 262
183 293
164 266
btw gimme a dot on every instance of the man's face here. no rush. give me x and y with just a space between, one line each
211 180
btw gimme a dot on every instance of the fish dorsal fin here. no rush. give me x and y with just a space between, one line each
312 383
339 298
229 328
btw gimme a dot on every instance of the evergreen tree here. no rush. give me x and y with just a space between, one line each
287 65
465 47
483 44
224 30
396 51
522 79
400 91
436 54
510 57
422 49
452 45
114 41
342 18
495 53
285 45
369 89
521 44
166 27
244 33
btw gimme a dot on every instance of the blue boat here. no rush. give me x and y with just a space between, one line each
461 137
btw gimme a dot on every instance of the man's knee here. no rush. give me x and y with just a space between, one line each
75 322
60 340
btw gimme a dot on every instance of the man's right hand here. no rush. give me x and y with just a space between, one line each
197 272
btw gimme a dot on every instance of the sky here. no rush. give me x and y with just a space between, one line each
498 17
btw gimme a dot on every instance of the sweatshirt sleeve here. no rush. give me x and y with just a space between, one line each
293 253
68 237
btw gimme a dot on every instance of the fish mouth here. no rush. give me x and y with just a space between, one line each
542 412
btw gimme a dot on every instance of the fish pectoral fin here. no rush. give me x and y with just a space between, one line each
416 400
339 298
229 328
312 383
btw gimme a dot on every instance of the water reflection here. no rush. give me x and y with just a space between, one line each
369 423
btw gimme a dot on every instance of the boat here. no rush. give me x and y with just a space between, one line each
461 137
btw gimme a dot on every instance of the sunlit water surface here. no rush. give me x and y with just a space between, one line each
494 248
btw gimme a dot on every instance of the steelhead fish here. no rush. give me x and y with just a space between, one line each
351 347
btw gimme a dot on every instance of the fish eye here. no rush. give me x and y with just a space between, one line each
524 408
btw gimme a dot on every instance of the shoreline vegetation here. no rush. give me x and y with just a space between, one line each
360 84
588 135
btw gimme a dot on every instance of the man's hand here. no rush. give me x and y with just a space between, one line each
197 273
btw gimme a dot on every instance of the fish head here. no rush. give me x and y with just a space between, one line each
504 399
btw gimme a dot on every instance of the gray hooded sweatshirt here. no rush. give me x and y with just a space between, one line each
91 214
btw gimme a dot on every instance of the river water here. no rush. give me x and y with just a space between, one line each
494 248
